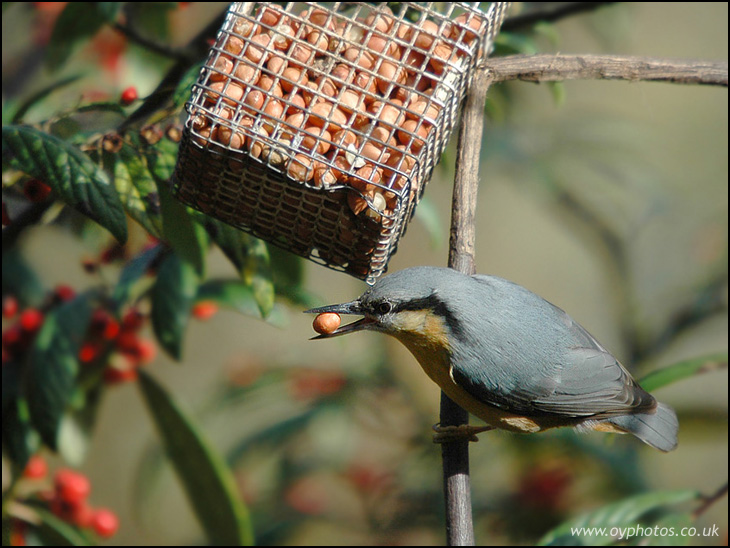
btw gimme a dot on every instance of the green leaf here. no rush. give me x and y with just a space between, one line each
161 158
75 432
102 106
109 10
132 272
682 370
622 514
231 293
74 177
53 531
240 296
207 480
21 280
287 271
508 43
181 231
78 22
15 113
172 297
183 89
250 256
257 273
53 365
20 441
137 189
673 522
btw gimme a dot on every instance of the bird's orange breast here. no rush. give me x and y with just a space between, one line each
426 336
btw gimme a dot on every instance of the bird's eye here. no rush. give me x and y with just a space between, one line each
384 308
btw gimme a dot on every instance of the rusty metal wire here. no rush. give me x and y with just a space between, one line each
315 126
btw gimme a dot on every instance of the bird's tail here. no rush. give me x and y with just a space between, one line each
658 429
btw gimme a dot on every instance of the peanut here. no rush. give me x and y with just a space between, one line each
300 168
326 323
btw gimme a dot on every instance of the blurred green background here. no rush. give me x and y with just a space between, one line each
330 441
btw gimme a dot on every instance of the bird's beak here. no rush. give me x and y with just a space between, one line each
352 307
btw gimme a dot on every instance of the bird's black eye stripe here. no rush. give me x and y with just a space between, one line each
384 308
433 303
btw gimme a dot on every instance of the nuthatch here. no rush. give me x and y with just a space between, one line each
508 356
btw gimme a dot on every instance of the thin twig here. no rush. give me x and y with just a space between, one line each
198 48
133 36
709 500
455 455
551 68
547 12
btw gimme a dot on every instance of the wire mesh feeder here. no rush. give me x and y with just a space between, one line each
316 126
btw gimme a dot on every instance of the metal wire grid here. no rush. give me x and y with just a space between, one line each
353 102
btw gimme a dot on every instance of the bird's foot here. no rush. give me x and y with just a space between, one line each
448 434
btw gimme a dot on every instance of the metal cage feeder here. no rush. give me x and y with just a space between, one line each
316 126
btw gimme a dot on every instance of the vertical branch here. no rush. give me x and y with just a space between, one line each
455 455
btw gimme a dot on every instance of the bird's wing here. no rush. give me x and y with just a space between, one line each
591 383
582 380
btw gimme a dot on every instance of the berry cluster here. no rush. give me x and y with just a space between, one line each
115 345
119 344
19 336
68 499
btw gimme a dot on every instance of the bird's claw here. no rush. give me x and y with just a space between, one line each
448 434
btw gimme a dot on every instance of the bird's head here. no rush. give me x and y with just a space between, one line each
407 303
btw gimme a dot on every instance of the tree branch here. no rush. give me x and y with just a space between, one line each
455 455
552 68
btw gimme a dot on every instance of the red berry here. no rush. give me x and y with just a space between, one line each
368 477
81 515
205 310
36 190
10 307
126 342
105 523
37 468
307 495
314 384
111 330
89 351
31 320
138 349
103 325
118 376
129 96
132 321
17 533
545 487
72 487
112 253
13 340
147 350
64 293
89 265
